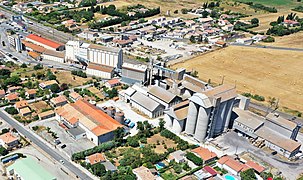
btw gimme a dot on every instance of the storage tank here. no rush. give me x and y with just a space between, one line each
168 121
110 111
119 116
202 123
178 126
191 118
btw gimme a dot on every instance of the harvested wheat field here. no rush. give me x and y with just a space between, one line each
293 40
264 72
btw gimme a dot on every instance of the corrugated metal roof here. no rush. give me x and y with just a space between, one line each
145 101
161 93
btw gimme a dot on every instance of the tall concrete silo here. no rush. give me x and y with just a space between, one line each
202 123
191 118
168 120
178 126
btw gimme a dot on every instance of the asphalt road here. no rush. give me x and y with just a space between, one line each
269 47
21 129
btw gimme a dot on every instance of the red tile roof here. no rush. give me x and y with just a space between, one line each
2 92
113 82
21 104
204 153
8 138
210 170
12 96
44 41
95 158
232 163
255 166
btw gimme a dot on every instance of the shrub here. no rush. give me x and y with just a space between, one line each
269 39
11 110
195 159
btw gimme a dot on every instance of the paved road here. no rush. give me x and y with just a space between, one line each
269 47
21 129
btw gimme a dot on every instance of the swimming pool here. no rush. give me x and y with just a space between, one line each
160 165
229 177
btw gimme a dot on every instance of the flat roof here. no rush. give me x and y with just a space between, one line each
248 118
76 131
29 169
103 48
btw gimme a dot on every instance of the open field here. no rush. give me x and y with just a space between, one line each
293 40
39 106
259 71
160 148
68 78
276 3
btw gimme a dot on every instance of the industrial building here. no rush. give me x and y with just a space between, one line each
175 117
98 126
77 51
99 70
46 43
210 111
15 41
163 96
53 56
275 132
134 73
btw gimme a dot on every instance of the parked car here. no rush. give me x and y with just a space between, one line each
63 146
127 121
57 141
132 124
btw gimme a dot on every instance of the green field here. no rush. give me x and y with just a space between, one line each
278 3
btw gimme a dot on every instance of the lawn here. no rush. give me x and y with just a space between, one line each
68 78
265 72
160 148
273 2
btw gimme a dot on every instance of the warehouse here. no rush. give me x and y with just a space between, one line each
46 43
163 96
146 105
134 73
98 70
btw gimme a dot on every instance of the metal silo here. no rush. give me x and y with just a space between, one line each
191 118
178 126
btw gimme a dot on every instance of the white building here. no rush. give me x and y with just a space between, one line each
53 56
15 41
99 70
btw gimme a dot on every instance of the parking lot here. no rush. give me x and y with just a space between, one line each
72 145
55 168
129 114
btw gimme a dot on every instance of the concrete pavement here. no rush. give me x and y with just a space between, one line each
50 151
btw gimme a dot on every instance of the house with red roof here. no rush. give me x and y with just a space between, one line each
46 43
112 83
205 154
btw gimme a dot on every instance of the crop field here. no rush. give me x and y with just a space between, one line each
265 72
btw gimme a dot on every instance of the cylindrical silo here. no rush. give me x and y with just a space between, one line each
119 116
178 126
202 123
191 118
168 121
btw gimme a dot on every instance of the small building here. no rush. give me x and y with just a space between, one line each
74 96
109 166
58 101
146 105
178 156
76 132
13 89
21 104
99 70
230 164
95 158
8 140
13 97
247 41
34 55
143 173
206 155
47 84
46 114
255 166
2 93
25 111
53 56
112 83
163 96
31 93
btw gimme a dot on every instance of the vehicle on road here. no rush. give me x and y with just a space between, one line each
61 161
63 146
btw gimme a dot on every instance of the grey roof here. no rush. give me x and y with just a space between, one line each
277 139
103 48
161 93
178 155
275 118
249 119
192 87
145 101
201 99
130 91
225 92
75 131
109 166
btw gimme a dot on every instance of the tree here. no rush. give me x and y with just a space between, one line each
205 14
194 73
98 169
192 39
140 126
176 11
23 65
38 66
11 110
161 124
254 21
63 87
54 88
248 175
195 159
3 151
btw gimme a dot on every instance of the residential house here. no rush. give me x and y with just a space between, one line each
143 173
95 158
58 101
8 140
291 23
31 93
206 155
21 104
47 84
178 156
255 166
2 93
13 89
25 111
109 166
231 165
74 96
46 115
228 27
112 83
205 173
13 97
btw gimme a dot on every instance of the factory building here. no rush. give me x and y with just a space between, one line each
46 43
76 50
175 117
134 73
162 96
274 132
210 111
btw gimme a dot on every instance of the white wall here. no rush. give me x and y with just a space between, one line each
52 58
97 73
